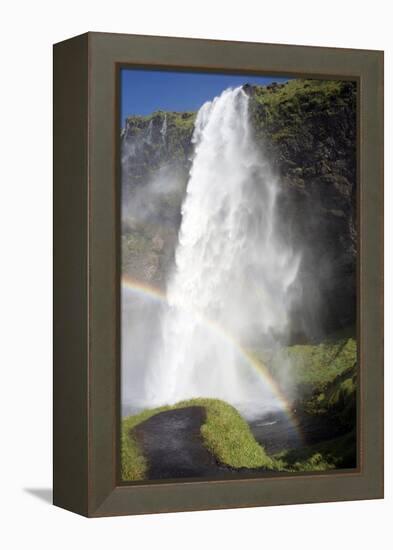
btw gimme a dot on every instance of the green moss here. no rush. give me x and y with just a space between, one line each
297 97
341 391
316 365
229 439
179 124
184 120
339 401
307 123
315 463
133 464
225 433
339 452
323 378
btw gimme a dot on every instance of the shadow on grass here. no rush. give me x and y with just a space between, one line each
339 452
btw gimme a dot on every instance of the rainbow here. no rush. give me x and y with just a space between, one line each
156 294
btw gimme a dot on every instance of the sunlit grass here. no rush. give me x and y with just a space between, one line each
225 433
328 368
315 365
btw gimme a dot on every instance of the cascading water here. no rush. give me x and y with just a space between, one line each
164 129
233 273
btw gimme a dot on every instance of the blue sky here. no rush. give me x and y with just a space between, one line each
144 91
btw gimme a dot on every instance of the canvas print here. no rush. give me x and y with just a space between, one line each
238 275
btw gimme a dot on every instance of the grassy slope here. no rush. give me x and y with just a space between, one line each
327 370
326 376
315 89
184 119
289 110
225 434
316 365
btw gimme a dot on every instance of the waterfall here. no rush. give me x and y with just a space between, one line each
164 129
231 283
149 133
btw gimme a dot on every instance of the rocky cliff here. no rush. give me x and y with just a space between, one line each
307 130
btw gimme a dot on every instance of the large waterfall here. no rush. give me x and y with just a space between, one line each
230 287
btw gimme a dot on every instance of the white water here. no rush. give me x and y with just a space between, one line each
233 272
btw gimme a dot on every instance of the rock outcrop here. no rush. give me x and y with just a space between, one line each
307 130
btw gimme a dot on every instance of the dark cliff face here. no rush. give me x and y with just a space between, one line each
151 142
156 156
307 130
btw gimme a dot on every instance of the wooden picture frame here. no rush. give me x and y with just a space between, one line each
86 274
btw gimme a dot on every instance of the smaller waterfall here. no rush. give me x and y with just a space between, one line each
164 129
149 133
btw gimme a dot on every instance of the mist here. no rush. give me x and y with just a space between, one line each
231 284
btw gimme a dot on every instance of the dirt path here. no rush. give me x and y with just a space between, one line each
172 443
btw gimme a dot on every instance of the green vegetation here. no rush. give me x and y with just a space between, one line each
327 371
184 119
314 366
307 128
338 401
324 377
173 147
325 387
315 90
285 110
338 452
225 433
